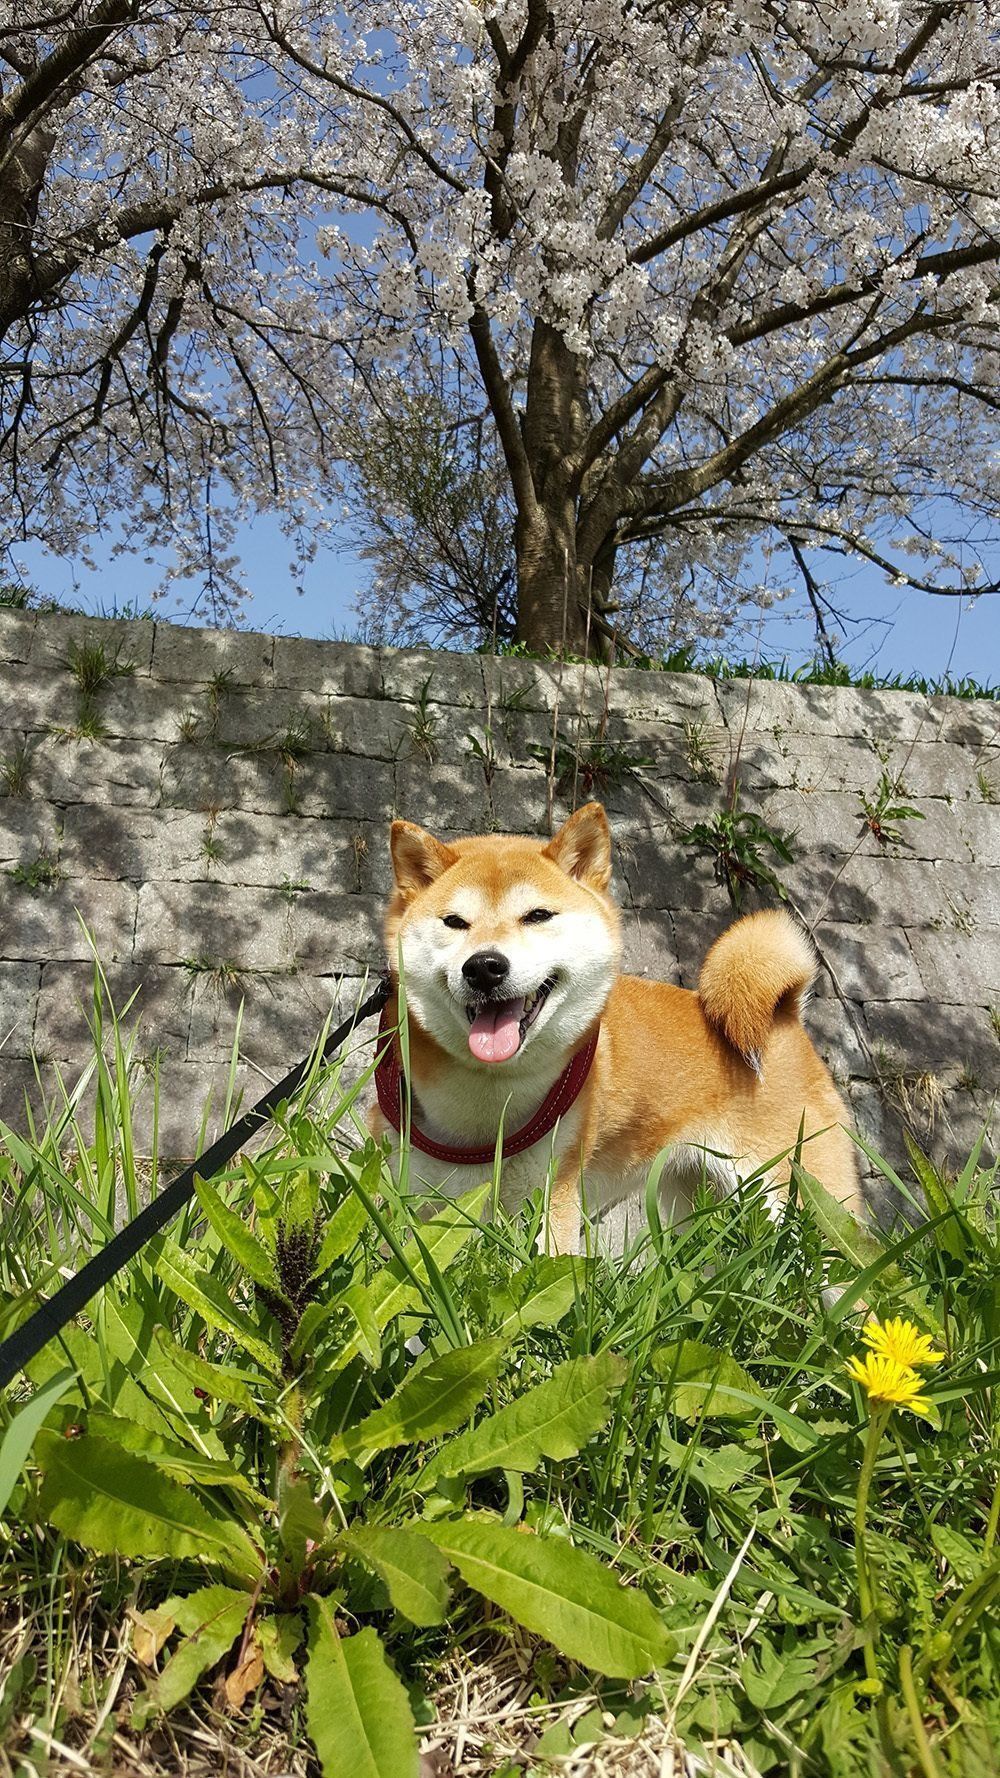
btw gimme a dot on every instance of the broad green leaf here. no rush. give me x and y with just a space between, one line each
717 1471
98 1380
432 1400
301 1197
210 1619
120 1505
413 1569
361 1312
554 1419
843 1230
707 1383
559 1592
342 1233
128 1333
965 1557
180 1461
299 1518
236 1238
24 1427
207 1297
217 1380
540 1294
772 1679
279 1637
357 1711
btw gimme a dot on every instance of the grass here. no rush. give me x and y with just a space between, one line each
687 659
255 1374
15 771
42 873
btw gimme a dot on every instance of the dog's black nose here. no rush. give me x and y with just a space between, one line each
485 970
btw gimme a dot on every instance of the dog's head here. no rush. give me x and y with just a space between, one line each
509 946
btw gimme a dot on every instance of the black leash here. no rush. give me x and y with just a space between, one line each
51 1317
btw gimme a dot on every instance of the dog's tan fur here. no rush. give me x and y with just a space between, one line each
727 1071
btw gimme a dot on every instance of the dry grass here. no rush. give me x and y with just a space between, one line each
489 1721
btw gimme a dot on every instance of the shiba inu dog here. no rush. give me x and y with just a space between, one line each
519 1021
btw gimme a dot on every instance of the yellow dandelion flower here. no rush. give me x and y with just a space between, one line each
887 1383
901 1341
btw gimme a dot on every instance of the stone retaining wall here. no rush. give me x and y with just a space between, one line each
216 815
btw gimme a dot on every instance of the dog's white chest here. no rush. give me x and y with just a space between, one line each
520 1174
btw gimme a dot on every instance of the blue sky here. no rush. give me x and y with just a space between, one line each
900 630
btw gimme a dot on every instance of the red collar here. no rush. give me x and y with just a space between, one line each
390 1085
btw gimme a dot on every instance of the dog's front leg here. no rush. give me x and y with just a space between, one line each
563 1228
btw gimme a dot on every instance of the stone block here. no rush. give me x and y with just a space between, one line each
666 698
967 722
57 636
660 873
18 1006
210 778
648 946
823 710
158 1001
337 669
17 629
980 828
881 1123
840 1036
511 685
214 926
959 966
955 1043
866 888
803 763
192 1107
376 730
19 1084
455 679
46 923
35 700
124 772
337 934
300 855
196 656
694 935
340 786
520 801
666 751
444 797
869 963
147 710
939 769
29 831
815 821
139 844
278 721
283 1016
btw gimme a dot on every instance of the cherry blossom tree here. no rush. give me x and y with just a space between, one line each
721 273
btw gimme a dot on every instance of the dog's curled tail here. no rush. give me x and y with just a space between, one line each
762 963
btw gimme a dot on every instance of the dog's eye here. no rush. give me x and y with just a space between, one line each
456 923
537 917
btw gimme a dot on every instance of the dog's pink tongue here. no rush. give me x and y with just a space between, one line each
495 1033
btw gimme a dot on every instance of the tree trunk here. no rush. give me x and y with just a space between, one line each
551 591
553 586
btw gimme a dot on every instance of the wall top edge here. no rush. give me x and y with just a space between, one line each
45 638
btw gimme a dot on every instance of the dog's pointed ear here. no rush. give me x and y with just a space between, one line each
582 847
417 857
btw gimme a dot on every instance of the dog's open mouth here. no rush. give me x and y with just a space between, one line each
498 1027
